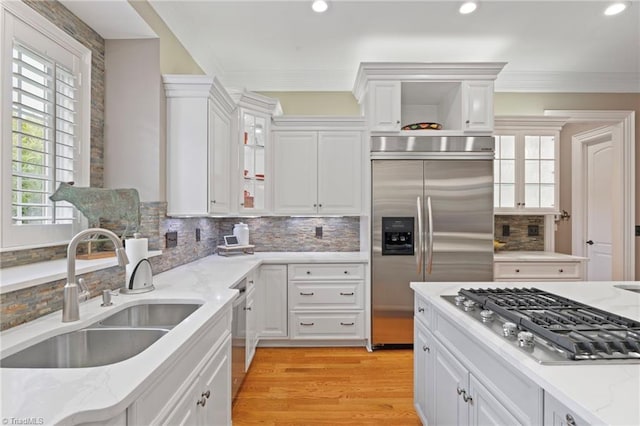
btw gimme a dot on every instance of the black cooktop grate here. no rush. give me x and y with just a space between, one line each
580 330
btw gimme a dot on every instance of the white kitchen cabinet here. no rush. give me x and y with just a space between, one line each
557 414
271 307
196 388
251 180
326 301
457 96
457 382
538 271
198 141
526 166
318 172
423 373
384 106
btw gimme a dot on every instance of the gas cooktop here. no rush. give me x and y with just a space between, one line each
551 328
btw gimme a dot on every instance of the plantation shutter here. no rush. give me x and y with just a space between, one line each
44 135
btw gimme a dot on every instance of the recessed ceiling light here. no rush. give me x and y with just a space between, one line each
615 8
468 7
319 6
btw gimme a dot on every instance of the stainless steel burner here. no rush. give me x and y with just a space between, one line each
550 328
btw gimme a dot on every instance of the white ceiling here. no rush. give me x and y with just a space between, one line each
112 19
552 46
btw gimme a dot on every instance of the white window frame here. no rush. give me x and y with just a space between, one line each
21 21
519 126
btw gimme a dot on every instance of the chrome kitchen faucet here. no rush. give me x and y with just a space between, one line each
71 296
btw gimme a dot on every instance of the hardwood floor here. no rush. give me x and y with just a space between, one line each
327 386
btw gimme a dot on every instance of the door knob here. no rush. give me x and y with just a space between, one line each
590 242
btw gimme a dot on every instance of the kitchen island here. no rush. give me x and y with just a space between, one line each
496 379
105 394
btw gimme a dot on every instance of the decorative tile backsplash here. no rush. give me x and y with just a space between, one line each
267 234
519 238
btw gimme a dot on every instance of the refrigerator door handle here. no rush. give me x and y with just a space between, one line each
419 258
430 219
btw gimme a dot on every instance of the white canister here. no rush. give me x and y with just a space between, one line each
241 230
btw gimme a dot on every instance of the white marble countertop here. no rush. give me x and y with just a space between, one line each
72 396
599 393
535 256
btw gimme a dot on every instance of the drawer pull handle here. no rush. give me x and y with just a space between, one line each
247 309
306 294
420 309
206 394
346 294
570 420
460 391
306 323
467 398
202 402
426 348
347 323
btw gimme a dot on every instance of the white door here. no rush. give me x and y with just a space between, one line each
451 379
295 170
599 202
339 172
385 105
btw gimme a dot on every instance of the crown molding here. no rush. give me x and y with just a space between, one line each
421 71
540 122
198 86
247 99
568 82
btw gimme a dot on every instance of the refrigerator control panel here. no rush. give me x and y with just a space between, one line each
397 236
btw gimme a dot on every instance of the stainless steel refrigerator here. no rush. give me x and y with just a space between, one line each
432 220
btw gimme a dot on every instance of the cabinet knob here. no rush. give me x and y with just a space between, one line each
466 122
213 202
242 204
315 205
202 402
346 272
397 121
420 309
570 420
308 272
206 394
247 309
460 391
467 398
517 270
561 270
319 205
426 348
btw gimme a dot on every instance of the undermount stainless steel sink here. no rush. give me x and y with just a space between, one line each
629 287
90 347
161 315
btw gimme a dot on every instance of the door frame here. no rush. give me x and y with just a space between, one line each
623 267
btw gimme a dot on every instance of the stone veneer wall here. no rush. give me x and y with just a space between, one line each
518 238
298 233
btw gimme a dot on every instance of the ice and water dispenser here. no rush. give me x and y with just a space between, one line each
397 236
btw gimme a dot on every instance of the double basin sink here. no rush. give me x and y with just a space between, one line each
116 338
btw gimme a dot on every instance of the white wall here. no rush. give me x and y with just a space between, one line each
133 152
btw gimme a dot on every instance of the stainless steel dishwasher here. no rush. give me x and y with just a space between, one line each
238 337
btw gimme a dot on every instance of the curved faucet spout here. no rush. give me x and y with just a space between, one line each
70 301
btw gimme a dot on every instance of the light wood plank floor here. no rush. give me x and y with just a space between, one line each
327 386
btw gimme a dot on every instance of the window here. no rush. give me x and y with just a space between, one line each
526 165
45 132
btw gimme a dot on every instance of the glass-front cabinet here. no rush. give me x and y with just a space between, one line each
252 182
526 175
254 138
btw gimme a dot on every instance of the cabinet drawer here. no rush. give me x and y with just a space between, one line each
422 310
326 295
538 270
314 325
326 271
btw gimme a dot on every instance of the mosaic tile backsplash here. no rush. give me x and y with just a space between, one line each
267 234
518 238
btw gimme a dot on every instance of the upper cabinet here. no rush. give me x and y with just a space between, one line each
198 140
458 96
252 151
318 165
526 166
